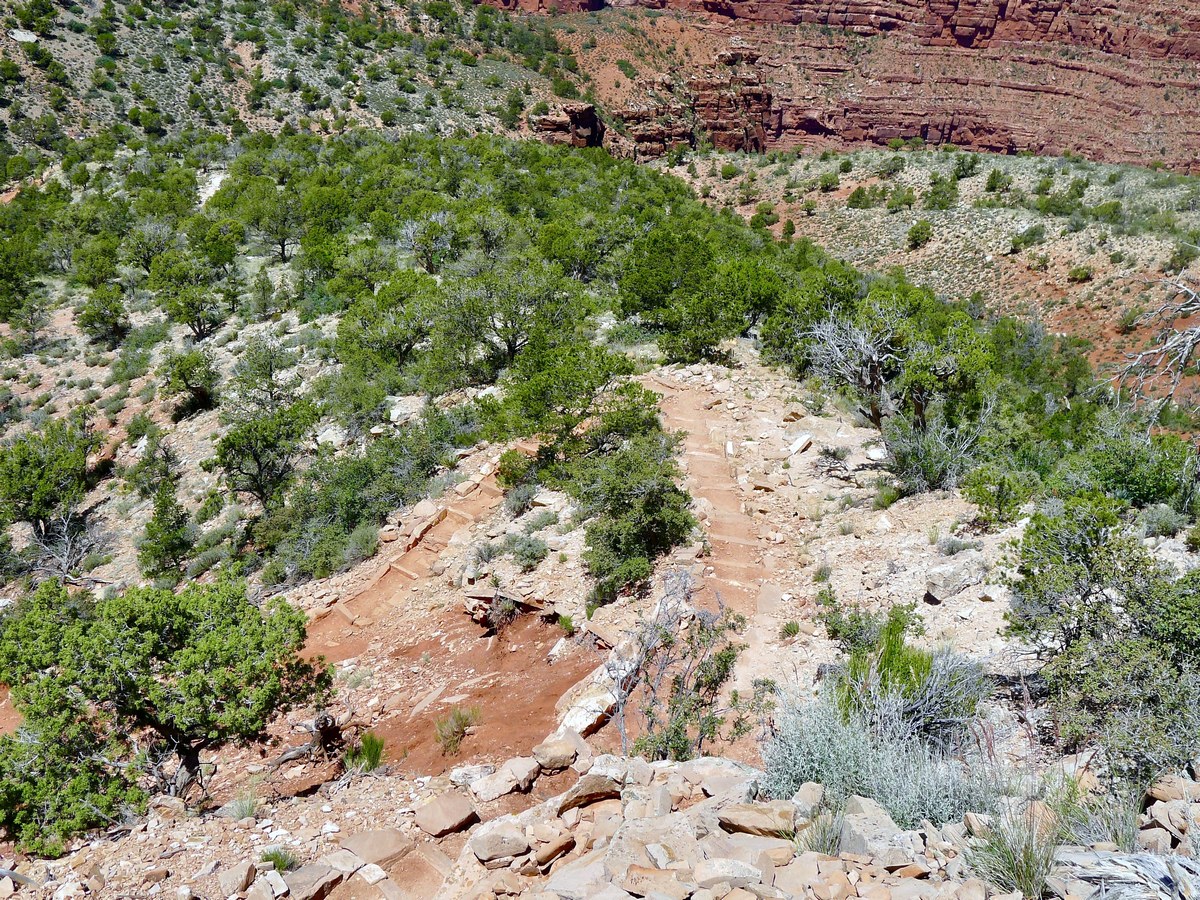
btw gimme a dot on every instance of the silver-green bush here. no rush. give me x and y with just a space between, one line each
813 741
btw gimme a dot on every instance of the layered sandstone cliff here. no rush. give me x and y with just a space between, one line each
1110 79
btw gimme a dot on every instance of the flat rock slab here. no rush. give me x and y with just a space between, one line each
447 813
380 847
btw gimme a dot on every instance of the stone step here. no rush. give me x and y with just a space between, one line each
405 569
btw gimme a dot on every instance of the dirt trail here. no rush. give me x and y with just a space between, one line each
423 656
751 479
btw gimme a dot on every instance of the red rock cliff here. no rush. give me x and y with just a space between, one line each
1110 79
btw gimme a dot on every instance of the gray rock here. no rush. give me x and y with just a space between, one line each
465 776
559 749
591 788
721 870
498 840
445 814
580 879
236 878
774 819
312 882
953 577
381 846
867 829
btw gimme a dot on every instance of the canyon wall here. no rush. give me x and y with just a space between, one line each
1114 80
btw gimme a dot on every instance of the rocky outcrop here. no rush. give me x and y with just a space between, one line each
575 124
1157 29
1108 79
548 6
804 87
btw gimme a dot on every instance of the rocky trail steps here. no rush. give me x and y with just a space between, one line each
563 816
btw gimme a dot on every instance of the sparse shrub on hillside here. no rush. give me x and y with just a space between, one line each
942 193
639 511
514 467
999 492
1018 852
906 693
1161 520
1128 671
679 674
1030 237
367 754
935 456
965 164
527 551
281 860
1184 254
193 375
998 182
519 499
920 234
901 197
103 317
1080 274
121 691
814 741
450 729
853 627
169 536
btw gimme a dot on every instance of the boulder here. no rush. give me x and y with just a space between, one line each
465 776
312 882
579 879
645 881
591 788
664 842
807 799
517 774
236 878
867 829
774 819
381 847
721 870
587 705
498 840
953 577
559 749
446 813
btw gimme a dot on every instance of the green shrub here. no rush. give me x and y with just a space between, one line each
1161 520
527 551
1018 852
1030 237
908 693
519 499
513 469
1193 538
1079 274
450 729
280 859
942 193
363 542
998 492
998 182
1127 671
118 695
854 628
367 754
920 234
